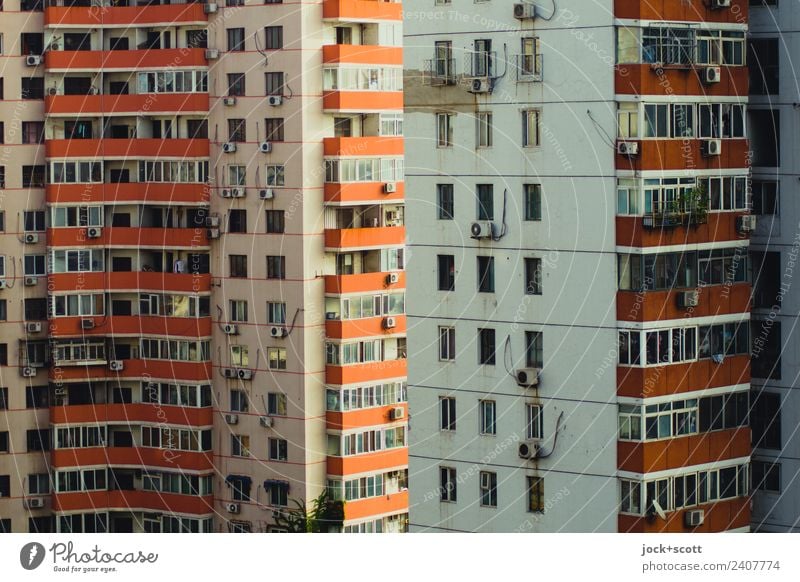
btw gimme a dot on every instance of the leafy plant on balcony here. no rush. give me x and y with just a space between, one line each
325 515
694 203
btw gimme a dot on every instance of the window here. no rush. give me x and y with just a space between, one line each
275 175
488 416
3 185
445 203
34 220
766 476
3 398
240 487
447 272
533 349
34 265
235 39
532 201
3 310
277 449
236 86
655 120
276 313
485 195
237 130
39 484
444 130
35 309
530 128
765 197
33 176
38 440
279 494
535 487
238 266
630 422
4 441
485 274
5 486
240 445
763 58
765 420
627 120
273 36
276 267
238 310
630 497
534 424
239 402
36 397
533 276
447 413
447 484
274 83
237 221
273 128
483 129
486 347
447 344
276 358
488 488
276 222
240 356
276 404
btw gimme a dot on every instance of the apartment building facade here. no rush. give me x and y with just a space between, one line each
206 290
774 44
579 280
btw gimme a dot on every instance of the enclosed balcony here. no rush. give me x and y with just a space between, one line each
123 60
139 148
361 10
108 14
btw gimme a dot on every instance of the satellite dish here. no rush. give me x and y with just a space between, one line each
659 510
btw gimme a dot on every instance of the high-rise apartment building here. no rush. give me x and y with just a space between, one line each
774 45
203 291
579 281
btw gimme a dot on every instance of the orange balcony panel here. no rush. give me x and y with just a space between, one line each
710 447
129 281
367 327
132 501
365 238
145 192
132 325
342 284
681 378
364 417
368 463
363 508
355 373
125 60
362 146
118 236
148 104
150 369
132 457
688 10
674 154
361 101
96 16
131 413
362 54
721 226
661 305
361 192
361 10
719 516
127 148
644 80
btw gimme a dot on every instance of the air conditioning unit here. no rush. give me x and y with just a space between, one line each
244 374
30 281
712 147
229 101
94 232
210 8
392 278
116 365
237 192
33 327
266 194
230 329
3 284
34 502
529 450
87 323
389 322
390 187
231 419
481 230
212 221
212 54
212 233
265 147
228 147
746 223
229 372
712 75
226 193
232 507
278 331
31 238
717 4
397 413
524 11
628 148
528 377
33 60
688 299
481 86
694 518
28 372
266 421
275 100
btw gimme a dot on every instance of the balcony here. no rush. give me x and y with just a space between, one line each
381 505
369 463
642 79
663 305
127 148
122 237
362 192
133 501
131 413
720 516
127 16
667 229
146 104
362 54
132 325
124 60
365 417
120 193
133 281
355 373
133 457
347 239
366 327
677 154
169 370
362 283
362 146
689 11
361 101
361 10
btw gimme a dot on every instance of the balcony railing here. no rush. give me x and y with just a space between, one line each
441 71
480 64
673 214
